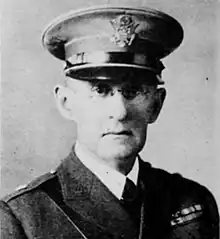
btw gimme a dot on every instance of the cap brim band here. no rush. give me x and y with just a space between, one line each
114 72
126 59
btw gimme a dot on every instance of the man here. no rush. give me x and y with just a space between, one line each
103 189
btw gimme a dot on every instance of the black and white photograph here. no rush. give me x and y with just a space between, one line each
110 116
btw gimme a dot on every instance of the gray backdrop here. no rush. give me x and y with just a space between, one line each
35 137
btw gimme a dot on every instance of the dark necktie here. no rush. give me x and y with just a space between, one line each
131 200
130 191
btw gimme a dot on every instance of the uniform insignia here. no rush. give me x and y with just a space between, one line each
186 215
21 187
52 171
124 27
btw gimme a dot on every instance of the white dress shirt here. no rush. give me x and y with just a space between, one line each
114 180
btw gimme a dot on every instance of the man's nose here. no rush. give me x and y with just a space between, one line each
118 106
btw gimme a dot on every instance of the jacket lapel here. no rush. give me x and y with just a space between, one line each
100 211
154 219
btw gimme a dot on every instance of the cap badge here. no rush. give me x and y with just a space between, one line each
124 27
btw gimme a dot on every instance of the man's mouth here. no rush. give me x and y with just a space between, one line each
121 132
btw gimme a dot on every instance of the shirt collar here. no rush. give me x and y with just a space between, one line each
105 173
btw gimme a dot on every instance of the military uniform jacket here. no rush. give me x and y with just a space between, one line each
73 203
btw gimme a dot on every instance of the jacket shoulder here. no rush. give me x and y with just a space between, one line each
182 191
192 198
192 207
33 185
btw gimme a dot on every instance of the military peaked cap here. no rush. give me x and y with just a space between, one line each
102 42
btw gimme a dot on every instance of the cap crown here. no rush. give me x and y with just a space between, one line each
107 37
100 29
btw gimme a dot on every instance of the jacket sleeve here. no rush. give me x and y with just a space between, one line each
197 216
10 226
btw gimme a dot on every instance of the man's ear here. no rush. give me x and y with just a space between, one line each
159 98
64 101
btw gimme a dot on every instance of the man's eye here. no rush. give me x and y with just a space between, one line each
102 89
130 91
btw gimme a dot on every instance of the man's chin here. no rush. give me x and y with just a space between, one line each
116 151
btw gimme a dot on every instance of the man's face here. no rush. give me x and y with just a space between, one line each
111 117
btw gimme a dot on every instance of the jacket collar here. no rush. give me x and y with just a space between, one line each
84 193
105 173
